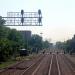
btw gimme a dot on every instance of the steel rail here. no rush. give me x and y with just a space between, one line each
58 66
59 72
50 65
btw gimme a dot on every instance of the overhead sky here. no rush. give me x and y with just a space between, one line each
58 16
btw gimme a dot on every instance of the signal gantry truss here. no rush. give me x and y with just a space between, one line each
23 18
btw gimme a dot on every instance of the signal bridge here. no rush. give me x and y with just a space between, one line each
23 18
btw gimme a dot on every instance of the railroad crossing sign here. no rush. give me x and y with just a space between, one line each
23 18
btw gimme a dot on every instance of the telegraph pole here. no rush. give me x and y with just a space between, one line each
41 40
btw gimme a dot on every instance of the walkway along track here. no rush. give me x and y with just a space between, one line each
54 66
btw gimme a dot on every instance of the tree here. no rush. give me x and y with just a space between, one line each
5 49
2 21
36 42
46 44
69 45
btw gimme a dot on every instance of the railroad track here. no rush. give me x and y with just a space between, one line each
70 64
43 67
20 71
34 69
54 66
47 64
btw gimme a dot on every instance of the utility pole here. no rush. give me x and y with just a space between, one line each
41 40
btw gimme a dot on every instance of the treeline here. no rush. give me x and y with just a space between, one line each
11 41
68 46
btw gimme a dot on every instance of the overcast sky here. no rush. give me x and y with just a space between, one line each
58 16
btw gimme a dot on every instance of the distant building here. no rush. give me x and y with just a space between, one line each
26 34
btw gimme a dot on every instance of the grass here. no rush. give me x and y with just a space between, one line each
7 63
32 56
12 61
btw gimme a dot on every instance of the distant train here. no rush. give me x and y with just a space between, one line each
23 52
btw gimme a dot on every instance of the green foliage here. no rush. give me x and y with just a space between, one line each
46 44
4 49
68 46
2 21
36 43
